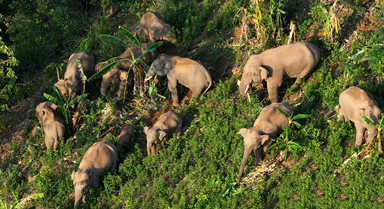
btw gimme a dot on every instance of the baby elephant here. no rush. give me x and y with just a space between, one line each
181 70
294 60
51 125
97 160
353 102
39 113
168 124
270 123
125 135
72 79
155 28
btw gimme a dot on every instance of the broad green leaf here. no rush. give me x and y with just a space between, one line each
59 97
282 112
83 77
300 116
153 46
106 67
130 36
52 99
297 124
294 145
367 120
77 99
113 39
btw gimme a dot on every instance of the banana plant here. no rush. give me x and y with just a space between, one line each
283 143
137 62
379 127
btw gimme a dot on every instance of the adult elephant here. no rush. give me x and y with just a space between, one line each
294 60
181 70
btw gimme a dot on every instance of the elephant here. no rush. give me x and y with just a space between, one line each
155 28
125 136
119 74
181 70
164 128
39 113
72 79
97 160
294 60
52 126
270 123
353 102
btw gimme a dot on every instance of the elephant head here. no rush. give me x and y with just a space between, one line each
253 139
253 72
161 66
153 135
82 179
125 135
67 85
112 77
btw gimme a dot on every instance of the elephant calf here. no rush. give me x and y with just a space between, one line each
51 124
98 159
167 124
125 135
181 70
155 28
119 74
40 115
270 123
72 79
294 60
353 102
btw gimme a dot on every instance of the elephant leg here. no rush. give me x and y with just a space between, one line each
196 91
272 92
178 130
360 129
265 148
121 88
55 144
172 86
153 149
258 157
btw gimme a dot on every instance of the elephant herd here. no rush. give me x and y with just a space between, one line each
294 60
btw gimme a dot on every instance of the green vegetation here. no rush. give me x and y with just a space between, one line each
198 169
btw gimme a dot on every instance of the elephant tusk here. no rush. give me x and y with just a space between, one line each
148 78
246 89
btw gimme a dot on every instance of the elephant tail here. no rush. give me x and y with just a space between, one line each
209 81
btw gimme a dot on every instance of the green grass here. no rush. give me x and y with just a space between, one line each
199 169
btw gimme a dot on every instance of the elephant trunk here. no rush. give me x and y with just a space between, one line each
150 74
247 152
244 85
78 197
149 146
104 86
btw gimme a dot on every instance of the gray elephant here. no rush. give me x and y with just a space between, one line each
353 102
164 128
181 70
52 126
270 123
72 79
119 74
125 135
97 160
40 114
155 28
294 60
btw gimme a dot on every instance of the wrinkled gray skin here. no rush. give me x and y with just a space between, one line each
294 60
97 160
353 102
164 128
52 125
39 112
125 135
181 70
119 74
155 28
270 123
72 78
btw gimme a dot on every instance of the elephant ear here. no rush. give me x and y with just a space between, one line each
61 86
93 180
242 132
146 130
161 135
263 73
167 66
264 138
123 75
